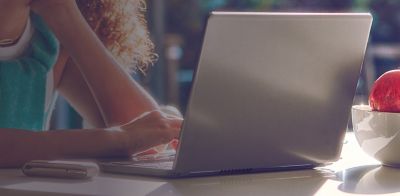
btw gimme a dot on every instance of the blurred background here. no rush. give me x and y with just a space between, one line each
177 27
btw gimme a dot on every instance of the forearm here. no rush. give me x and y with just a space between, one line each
98 66
20 146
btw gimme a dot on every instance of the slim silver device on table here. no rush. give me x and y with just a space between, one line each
272 91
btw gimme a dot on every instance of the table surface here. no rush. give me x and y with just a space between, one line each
354 173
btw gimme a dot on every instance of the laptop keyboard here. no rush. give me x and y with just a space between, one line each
156 165
159 165
162 160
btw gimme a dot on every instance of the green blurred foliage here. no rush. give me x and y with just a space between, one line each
187 17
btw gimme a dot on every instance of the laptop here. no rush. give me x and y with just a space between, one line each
272 91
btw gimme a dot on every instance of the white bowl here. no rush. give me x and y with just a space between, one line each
378 134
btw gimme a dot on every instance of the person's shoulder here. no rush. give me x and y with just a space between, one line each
15 3
43 7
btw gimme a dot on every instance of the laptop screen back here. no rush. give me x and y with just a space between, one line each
272 90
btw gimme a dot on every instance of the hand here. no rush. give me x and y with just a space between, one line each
149 130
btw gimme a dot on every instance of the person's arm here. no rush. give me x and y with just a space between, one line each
20 146
70 83
118 96
73 87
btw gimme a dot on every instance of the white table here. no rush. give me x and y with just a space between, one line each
354 173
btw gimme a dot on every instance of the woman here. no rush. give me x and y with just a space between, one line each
47 46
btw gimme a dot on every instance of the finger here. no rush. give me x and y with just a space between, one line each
171 134
174 144
171 116
167 137
176 123
151 140
171 111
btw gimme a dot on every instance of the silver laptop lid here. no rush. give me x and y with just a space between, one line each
272 90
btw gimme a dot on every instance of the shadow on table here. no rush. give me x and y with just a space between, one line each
11 178
301 182
298 182
14 182
10 192
372 179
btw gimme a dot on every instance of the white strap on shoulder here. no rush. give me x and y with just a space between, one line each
16 50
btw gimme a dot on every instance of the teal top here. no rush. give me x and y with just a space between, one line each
23 81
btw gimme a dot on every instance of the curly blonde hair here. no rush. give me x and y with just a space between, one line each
122 27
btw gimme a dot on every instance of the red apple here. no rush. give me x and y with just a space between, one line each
385 92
